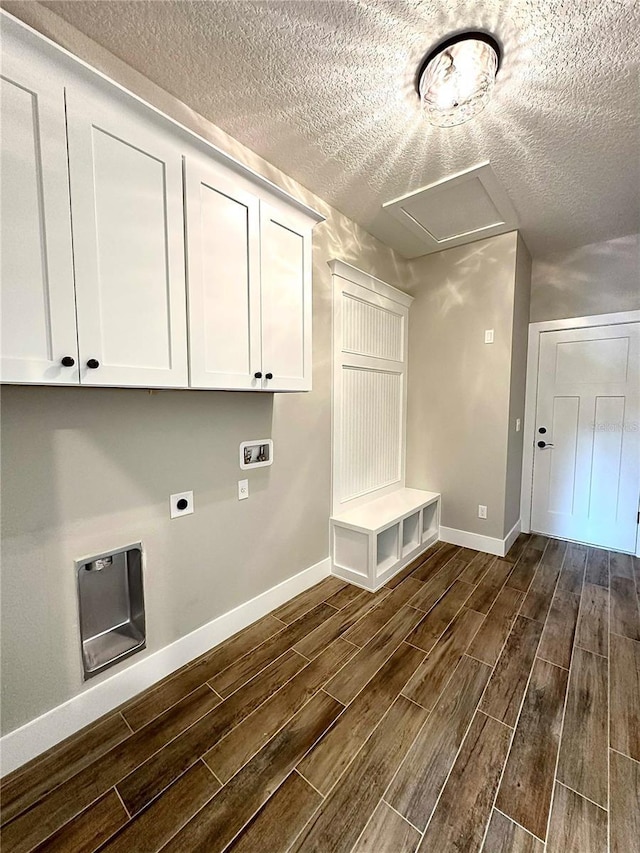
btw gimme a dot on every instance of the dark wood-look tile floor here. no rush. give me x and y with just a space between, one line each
475 704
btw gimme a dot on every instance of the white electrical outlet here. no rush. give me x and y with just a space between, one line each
517 424
482 511
488 336
181 504
243 490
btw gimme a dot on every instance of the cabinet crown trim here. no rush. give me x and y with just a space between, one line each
222 156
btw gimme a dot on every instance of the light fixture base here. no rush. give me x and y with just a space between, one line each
455 38
457 76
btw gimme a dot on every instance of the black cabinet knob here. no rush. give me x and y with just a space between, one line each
67 361
268 376
258 375
93 363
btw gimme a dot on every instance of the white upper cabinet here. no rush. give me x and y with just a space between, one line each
38 327
249 279
127 215
223 265
98 192
285 246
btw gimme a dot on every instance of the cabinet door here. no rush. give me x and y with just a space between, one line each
223 258
37 296
285 299
128 233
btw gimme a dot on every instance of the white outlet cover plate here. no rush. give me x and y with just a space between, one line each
488 336
482 511
173 503
243 490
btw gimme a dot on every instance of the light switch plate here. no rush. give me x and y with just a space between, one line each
243 490
517 424
176 504
488 336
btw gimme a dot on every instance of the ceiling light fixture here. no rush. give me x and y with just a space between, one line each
456 78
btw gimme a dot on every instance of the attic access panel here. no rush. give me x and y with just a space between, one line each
468 206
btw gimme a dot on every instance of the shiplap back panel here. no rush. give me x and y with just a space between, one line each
369 394
371 450
371 330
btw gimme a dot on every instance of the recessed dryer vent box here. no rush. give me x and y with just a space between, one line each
111 604
257 453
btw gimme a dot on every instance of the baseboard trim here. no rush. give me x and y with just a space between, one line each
489 544
511 536
23 744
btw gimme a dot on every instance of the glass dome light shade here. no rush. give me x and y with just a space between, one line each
456 83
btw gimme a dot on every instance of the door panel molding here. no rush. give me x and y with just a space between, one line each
38 296
128 230
285 298
531 396
223 279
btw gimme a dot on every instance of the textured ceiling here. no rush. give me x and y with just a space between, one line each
324 90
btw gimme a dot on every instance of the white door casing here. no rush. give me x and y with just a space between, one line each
586 479
223 267
38 301
128 237
286 295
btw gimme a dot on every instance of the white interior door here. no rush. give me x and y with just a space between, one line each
37 297
223 263
586 481
285 245
128 230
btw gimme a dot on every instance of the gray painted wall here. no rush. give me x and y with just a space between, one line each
459 387
84 470
596 279
87 470
519 339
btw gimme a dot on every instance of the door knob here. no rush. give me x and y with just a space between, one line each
542 444
542 430
268 376
93 363
67 361
258 375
